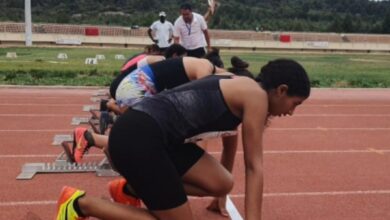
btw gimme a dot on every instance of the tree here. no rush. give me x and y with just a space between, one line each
386 23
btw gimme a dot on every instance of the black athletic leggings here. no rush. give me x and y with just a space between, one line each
152 168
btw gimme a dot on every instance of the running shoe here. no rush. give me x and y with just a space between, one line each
65 209
80 144
116 191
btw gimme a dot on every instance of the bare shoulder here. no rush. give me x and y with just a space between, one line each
195 61
245 85
154 58
242 91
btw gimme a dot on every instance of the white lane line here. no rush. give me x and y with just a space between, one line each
269 129
328 129
232 210
266 195
36 130
39 115
297 115
330 193
345 105
368 151
41 156
342 115
28 203
37 104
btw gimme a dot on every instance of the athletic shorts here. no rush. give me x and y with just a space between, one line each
135 86
154 170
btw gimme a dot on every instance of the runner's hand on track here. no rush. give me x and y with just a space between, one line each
218 205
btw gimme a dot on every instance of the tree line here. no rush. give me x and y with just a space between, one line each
341 16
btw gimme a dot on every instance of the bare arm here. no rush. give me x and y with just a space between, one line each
115 108
247 100
207 37
254 118
229 152
151 36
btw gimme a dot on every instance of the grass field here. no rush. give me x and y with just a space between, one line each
40 66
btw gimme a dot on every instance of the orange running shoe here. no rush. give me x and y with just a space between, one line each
116 191
80 144
65 209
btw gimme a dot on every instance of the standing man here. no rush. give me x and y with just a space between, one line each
190 30
163 32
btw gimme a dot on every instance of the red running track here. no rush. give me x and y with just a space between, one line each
329 161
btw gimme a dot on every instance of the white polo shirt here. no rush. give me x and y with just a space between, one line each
191 35
162 33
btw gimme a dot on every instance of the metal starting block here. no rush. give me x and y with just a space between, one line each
65 164
100 93
60 138
79 120
88 108
95 99
61 165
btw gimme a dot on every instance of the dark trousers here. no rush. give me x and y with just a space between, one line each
198 52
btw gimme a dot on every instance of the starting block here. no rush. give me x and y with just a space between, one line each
95 99
88 108
79 120
62 165
60 138
101 93
100 121
65 164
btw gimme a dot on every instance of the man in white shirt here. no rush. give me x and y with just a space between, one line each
163 31
190 30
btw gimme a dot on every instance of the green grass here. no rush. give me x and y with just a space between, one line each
40 66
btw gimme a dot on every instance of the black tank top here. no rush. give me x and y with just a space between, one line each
190 109
169 73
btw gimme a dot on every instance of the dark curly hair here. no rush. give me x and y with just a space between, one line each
288 72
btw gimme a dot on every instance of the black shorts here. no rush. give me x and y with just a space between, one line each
139 153
198 52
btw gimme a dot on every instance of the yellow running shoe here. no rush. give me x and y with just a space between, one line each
65 210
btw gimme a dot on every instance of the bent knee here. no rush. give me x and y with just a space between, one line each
222 187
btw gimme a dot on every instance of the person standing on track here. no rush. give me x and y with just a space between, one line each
190 30
163 32
146 143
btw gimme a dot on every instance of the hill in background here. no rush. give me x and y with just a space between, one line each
346 16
